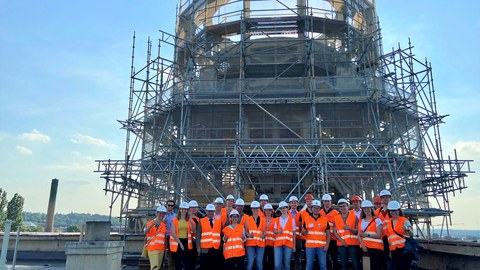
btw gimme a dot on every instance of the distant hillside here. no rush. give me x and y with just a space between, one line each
66 220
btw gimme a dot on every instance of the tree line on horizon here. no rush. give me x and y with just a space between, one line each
71 222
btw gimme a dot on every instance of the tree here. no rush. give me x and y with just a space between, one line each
73 228
14 211
3 205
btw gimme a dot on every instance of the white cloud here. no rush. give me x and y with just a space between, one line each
35 136
85 139
24 151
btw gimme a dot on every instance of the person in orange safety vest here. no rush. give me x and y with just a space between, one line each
208 240
399 228
316 230
370 236
345 229
155 235
233 239
330 213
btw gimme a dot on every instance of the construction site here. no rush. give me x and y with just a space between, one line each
282 97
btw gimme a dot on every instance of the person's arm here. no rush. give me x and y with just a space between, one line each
407 227
173 234
199 237
294 230
148 228
327 245
335 233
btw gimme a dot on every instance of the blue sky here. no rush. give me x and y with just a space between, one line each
64 81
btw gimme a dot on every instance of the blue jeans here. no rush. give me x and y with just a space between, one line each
282 256
255 253
321 255
351 251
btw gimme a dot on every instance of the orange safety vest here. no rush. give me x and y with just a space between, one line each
368 241
234 246
195 220
298 229
210 237
350 238
224 217
174 243
384 217
316 232
394 240
269 234
331 218
243 219
156 237
299 220
286 237
256 231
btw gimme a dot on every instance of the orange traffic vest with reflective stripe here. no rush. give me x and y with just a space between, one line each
269 234
316 232
243 219
299 220
331 218
210 237
194 221
350 238
256 231
384 217
369 241
234 246
224 217
286 237
298 229
394 240
174 243
156 237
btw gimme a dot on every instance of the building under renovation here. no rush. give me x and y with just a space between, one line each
282 97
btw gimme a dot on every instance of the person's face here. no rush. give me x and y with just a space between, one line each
316 210
377 205
193 210
170 206
356 204
183 211
284 210
367 211
309 203
218 206
327 204
385 199
210 214
268 212
234 219
255 210
294 205
230 202
239 208
343 208
160 215
263 202
394 213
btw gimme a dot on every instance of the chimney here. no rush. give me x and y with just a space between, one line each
51 205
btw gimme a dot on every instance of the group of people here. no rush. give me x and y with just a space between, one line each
227 237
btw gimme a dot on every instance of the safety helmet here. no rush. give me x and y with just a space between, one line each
193 203
263 197
356 198
309 197
254 204
377 199
393 205
326 197
239 201
366 204
162 208
210 207
268 207
218 200
342 201
385 193
282 204
293 198
184 205
230 197
316 203
234 212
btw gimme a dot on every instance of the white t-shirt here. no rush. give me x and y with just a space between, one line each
378 222
283 222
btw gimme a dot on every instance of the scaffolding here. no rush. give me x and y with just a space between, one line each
284 98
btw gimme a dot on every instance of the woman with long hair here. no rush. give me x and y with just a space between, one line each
181 239
398 228
284 245
233 239
268 259
370 236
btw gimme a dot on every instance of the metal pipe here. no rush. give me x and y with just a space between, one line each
51 206
14 261
6 238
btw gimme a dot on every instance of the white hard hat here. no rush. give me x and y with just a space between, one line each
230 197
162 208
218 200
393 205
366 204
193 203
234 212
210 207
268 207
282 204
264 197
385 193
184 205
293 198
239 202
326 197
254 204
342 201
316 203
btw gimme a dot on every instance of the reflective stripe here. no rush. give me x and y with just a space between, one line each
315 242
316 233
233 247
373 240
